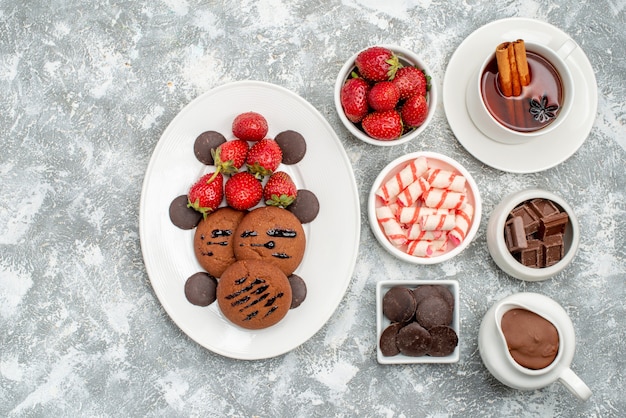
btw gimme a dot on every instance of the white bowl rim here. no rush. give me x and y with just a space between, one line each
382 239
432 97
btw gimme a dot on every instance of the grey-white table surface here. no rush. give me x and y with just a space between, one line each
87 89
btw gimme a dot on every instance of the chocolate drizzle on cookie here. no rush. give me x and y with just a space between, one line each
251 295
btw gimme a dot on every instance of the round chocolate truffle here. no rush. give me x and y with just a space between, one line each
182 215
205 142
399 304
388 346
444 341
305 206
298 290
423 291
200 289
293 145
433 311
413 340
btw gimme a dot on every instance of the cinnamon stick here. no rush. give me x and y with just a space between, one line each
519 48
504 69
517 86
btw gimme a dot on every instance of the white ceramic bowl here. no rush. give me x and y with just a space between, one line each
434 160
383 322
498 248
407 58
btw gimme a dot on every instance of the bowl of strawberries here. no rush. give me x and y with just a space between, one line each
385 96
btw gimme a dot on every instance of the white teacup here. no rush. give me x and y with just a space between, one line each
496 356
491 127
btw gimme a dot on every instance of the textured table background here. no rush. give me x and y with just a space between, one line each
87 88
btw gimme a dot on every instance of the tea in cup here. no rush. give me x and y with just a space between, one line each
512 105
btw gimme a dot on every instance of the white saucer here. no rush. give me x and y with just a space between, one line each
533 156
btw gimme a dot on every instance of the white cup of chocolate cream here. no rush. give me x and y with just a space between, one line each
527 342
511 113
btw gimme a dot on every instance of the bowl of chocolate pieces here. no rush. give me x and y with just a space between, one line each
533 234
417 321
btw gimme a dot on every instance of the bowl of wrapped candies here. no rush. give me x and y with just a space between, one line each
533 234
424 208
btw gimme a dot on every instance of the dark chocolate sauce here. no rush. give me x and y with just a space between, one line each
282 233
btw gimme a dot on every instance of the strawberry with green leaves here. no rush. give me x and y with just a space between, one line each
243 191
206 194
353 96
385 126
280 190
264 157
230 156
377 63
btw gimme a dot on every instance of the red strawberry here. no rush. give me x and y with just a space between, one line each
414 111
230 156
243 191
264 158
385 125
280 190
353 97
377 63
383 96
410 81
250 126
206 194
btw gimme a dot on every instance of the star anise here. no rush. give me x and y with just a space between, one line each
541 111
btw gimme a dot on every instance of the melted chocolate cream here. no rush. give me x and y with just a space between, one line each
533 341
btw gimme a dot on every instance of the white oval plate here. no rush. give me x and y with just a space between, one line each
332 238
543 152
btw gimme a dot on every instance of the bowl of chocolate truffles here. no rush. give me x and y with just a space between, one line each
417 321
384 95
533 234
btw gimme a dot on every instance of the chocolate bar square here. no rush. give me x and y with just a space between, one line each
552 225
533 255
514 234
543 207
531 220
553 249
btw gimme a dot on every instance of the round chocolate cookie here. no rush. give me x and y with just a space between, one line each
413 340
444 341
305 206
213 241
399 304
423 291
293 145
200 289
271 234
182 215
433 311
205 142
254 294
298 290
387 342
